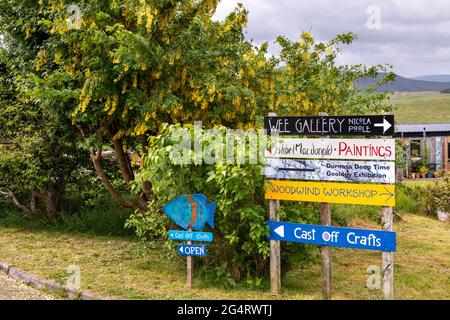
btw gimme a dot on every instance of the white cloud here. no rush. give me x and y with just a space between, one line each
414 34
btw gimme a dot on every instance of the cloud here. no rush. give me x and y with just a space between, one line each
414 35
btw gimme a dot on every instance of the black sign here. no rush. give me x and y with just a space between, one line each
382 125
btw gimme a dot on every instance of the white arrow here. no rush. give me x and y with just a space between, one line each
280 231
386 125
181 249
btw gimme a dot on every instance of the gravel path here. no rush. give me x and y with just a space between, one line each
12 289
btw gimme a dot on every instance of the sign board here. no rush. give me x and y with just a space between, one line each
192 250
342 149
348 193
326 170
380 125
333 236
190 236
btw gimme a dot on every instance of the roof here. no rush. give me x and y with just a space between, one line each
418 130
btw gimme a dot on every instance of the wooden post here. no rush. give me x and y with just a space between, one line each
388 257
325 219
275 252
190 268
275 255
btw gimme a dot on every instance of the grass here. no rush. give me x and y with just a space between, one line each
421 107
117 266
109 221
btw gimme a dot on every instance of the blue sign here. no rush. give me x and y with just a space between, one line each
190 236
333 236
192 250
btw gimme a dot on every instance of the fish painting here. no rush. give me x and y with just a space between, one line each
191 211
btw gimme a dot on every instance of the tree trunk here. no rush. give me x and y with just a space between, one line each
127 174
125 166
33 202
13 197
96 160
50 202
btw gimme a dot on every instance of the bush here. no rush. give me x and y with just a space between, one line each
240 248
435 197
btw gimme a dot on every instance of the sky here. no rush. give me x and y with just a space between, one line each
411 35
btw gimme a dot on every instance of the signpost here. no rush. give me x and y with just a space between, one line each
341 149
346 193
191 212
328 170
326 160
333 236
379 125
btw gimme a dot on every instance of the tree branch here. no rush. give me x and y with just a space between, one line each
12 196
96 157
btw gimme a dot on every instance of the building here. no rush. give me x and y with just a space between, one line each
425 145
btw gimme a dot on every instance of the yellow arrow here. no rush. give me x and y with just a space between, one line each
349 193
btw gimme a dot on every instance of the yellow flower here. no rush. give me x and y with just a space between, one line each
305 56
113 105
42 58
27 32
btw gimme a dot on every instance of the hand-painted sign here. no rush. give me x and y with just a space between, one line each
348 193
326 170
333 236
342 149
381 125
191 211
190 236
192 250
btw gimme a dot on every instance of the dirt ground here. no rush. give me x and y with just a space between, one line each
12 289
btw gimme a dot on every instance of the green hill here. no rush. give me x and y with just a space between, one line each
421 107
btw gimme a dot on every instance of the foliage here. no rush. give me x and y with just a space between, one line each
39 154
429 198
435 196
423 170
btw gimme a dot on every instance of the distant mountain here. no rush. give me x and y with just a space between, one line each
434 77
402 84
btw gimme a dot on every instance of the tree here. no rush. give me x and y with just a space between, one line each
123 70
130 68
38 148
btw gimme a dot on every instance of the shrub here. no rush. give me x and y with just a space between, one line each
240 247
435 196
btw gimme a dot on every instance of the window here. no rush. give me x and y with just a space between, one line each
415 148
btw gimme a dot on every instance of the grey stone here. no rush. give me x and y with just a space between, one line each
4 267
443 216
